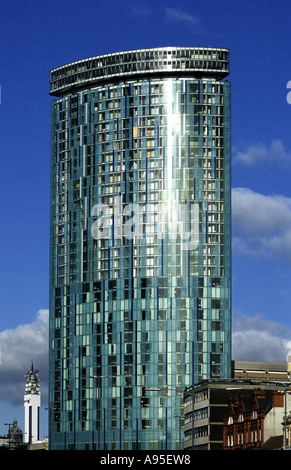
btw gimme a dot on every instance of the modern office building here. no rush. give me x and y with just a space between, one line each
258 370
140 274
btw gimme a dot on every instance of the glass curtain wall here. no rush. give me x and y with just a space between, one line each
137 312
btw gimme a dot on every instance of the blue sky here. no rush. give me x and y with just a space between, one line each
38 36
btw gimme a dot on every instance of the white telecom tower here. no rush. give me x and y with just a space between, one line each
31 406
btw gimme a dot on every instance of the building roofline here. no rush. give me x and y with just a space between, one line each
250 382
139 63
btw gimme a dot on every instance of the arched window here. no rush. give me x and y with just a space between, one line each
230 420
241 418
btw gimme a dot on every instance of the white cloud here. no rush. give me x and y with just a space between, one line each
178 15
169 15
18 347
140 10
259 153
256 339
261 224
253 339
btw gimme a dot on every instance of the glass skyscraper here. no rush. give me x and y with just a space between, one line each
140 255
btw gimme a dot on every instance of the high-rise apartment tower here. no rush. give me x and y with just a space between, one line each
140 274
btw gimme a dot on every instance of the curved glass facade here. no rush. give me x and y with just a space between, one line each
140 252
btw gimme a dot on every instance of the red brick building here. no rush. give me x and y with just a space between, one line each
243 424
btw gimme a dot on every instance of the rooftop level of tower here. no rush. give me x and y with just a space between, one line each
195 62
